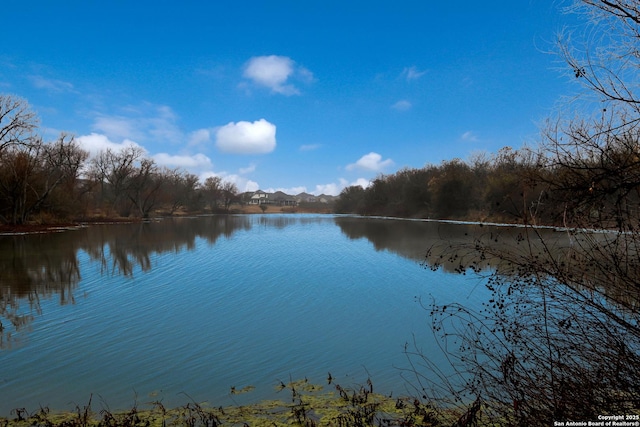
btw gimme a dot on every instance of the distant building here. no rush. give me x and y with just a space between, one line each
306 198
278 199
259 198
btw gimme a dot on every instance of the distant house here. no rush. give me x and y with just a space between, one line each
306 198
282 199
310 198
324 198
278 198
259 198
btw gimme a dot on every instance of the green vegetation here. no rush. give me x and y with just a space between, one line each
305 404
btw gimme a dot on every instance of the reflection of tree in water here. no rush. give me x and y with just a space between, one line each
433 242
283 221
559 336
33 267
585 259
458 247
123 248
409 239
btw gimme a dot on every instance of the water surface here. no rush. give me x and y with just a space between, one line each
152 311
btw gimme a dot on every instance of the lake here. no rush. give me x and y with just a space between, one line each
186 308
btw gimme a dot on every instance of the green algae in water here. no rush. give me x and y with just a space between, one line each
243 390
305 404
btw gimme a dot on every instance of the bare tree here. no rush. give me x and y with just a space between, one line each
17 121
112 170
180 190
64 161
31 173
143 186
31 170
606 57
229 194
212 189
18 168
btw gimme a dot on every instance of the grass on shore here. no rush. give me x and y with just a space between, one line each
306 405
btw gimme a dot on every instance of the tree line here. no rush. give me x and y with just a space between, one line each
486 187
586 180
56 180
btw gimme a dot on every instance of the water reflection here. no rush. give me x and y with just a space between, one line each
582 258
561 320
453 247
410 239
122 249
37 266
199 304
282 221
244 300
33 267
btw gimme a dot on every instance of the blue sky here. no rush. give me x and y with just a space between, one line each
292 95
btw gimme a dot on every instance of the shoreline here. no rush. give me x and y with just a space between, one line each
302 403
24 229
37 228
33 228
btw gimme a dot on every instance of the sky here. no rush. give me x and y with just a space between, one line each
291 95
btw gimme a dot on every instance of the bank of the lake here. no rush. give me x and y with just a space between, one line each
49 224
299 403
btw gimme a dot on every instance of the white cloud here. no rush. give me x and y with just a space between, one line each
200 136
242 137
248 169
274 72
117 127
371 162
145 122
51 85
362 182
242 184
204 175
412 73
291 191
402 105
334 189
304 74
197 161
162 126
94 143
331 189
250 185
469 136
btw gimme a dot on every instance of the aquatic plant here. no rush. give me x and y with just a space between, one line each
306 405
